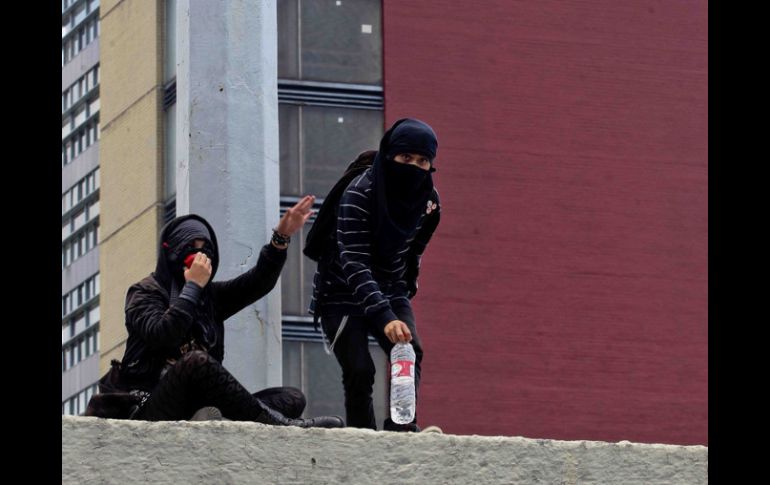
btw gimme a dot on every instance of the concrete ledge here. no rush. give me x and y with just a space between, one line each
110 451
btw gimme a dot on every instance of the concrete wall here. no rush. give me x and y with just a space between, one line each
108 451
564 294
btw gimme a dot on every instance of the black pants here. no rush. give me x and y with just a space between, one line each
197 380
352 352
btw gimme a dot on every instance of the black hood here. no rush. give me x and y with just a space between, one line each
400 192
171 256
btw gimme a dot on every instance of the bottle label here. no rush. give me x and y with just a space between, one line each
402 368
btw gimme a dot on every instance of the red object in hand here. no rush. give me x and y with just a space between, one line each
189 260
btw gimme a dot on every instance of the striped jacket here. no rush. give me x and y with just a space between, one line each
352 283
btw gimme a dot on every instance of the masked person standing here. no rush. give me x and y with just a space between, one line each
385 219
175 320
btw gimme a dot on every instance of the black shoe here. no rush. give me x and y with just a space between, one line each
271 416
319 422
389 425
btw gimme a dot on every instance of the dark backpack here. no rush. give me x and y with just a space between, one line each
321 240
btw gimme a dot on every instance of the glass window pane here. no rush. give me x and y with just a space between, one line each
169 70
80 116
93 210
292 372
288 58
288 134
93 316
80 13
291 284
169 165
93 107
297 279
332 138
80 217
323 382
341 41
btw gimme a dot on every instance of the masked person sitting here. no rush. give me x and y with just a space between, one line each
175 320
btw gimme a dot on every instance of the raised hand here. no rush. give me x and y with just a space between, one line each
296 216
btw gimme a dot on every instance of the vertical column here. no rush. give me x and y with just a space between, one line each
227 157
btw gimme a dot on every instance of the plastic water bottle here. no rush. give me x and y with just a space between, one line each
402 398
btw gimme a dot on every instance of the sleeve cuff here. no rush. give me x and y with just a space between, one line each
275 255
191 292
384 317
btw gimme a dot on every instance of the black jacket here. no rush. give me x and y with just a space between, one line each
161 327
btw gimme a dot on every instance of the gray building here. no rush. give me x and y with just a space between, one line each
80 203
327 58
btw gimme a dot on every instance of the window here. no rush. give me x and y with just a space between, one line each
76 405
65 333
80 13
331 139
169 68
77 32
297 279
86 135
337 41
79 341
169 165
93 107
307 367
80 295
66 127
330 110
93 316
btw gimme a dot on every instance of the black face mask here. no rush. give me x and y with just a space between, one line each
405 183
406 186
177 260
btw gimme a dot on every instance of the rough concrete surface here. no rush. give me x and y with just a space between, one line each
98 450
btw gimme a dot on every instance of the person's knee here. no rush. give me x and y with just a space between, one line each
360 374
297 396
197 358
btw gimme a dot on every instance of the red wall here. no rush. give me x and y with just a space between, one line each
565 292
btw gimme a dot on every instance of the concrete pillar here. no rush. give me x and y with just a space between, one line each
227 157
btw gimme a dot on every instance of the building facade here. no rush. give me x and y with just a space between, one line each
80 203
565 292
